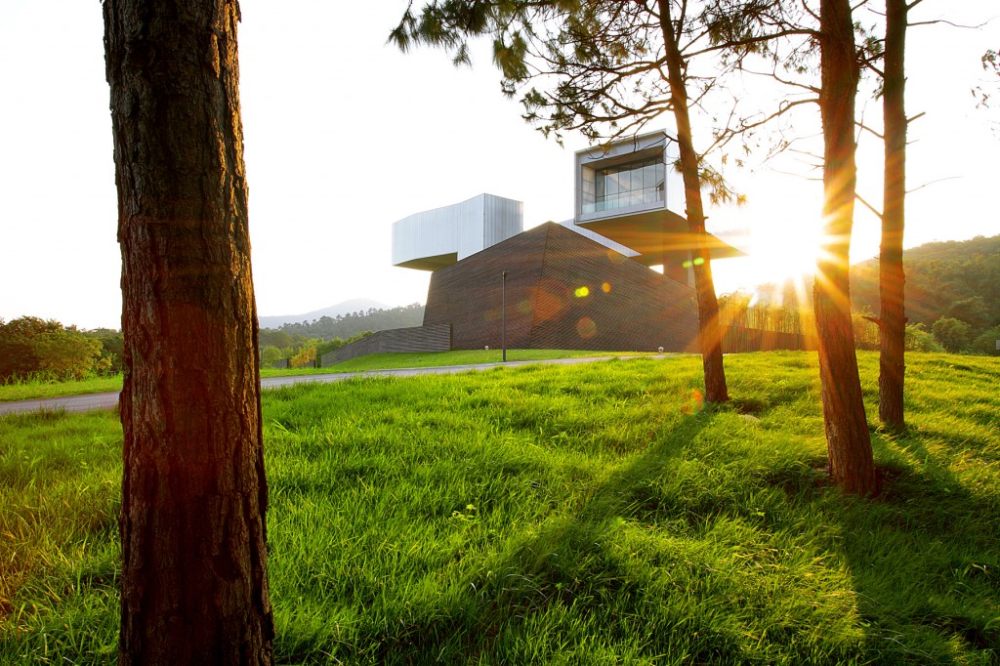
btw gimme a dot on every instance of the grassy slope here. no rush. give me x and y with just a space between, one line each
32 390
586 515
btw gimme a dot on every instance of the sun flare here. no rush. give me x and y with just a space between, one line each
775 254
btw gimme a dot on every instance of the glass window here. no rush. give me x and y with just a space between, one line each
626 185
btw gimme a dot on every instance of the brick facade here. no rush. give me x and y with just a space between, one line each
563 291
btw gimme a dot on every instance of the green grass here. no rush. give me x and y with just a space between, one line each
586 514
462 357
37 389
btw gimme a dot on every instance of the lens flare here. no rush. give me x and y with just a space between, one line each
694 403
606 287
586 328
582 292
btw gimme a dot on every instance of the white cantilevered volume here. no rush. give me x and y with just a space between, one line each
443 236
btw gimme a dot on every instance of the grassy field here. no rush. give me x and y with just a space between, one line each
460 357
36 389
32 390
591 514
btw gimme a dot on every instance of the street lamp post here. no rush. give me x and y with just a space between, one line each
503 314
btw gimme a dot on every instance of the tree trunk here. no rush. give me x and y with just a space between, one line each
194 587
892 317
848 441
709 330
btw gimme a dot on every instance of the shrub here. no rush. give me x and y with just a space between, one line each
269 356
987 342
953 333
304 359
66 354
32 347
918 338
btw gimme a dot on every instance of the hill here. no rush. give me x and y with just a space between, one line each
351 323
959 279
342 308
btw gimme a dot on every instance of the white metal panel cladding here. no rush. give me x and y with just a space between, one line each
504 218
433 238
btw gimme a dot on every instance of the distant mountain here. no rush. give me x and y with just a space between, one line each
346 307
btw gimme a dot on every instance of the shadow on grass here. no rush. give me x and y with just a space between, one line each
561 565
925 562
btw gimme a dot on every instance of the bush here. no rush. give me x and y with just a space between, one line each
269 356
304 359
32 347
918 338
953 333
112 359
66 354
987 343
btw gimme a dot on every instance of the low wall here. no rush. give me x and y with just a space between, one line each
433 338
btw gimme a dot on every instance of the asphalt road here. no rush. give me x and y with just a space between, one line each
92 401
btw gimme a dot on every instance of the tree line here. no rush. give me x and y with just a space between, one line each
952 295
39 349
353 323
283 350
952 291
298 345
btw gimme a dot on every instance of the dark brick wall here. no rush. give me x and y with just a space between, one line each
467 294
563 291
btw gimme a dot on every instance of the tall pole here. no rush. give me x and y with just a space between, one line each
503 314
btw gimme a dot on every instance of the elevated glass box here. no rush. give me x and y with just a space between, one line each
630 191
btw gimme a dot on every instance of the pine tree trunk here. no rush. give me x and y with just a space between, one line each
848 440
709 329
892 317
194 587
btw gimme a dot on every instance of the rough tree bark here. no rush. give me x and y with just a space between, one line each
194 587
892 317
848 441
709 329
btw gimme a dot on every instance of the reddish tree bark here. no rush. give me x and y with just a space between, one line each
194 588
709 329
892 316
848 442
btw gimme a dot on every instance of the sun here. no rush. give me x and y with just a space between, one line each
779 253
775 253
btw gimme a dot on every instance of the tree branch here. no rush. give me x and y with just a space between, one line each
869 129
933 182
867 205
947 22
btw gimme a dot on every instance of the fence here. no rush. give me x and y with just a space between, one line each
763 328
737 339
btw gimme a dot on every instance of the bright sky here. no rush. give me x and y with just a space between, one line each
345 135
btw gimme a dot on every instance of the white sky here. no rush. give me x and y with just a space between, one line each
345 135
